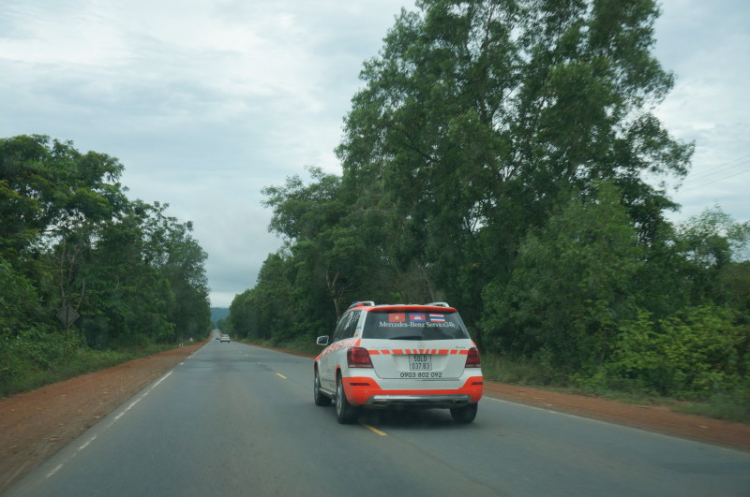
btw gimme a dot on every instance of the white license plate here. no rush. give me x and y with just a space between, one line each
421 362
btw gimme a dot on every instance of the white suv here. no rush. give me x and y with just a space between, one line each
405 356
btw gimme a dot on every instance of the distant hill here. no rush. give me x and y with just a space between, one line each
219 313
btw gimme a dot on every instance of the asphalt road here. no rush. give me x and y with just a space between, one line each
236 420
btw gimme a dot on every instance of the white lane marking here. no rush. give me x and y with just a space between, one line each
117 418
58 468
162 379
132 404
87 443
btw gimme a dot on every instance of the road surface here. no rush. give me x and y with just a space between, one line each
239 420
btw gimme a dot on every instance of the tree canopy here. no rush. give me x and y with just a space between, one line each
496 157
71 242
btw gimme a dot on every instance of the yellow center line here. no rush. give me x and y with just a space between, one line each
374 430
281 376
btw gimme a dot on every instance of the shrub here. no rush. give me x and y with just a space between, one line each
693 353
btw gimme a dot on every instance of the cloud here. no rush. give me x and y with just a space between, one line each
705 45
208 102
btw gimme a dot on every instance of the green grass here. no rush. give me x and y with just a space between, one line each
721 406
520 371
78 361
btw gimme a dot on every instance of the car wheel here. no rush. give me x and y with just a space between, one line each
320 398
345 412
464 414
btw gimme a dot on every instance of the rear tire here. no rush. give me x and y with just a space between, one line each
465 414
321 399
346 413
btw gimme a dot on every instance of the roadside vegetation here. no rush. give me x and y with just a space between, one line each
50 362
88 278
505 157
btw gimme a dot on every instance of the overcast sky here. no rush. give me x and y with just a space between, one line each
205 102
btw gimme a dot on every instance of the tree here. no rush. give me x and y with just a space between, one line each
713 245
133 273
269 310
697 352
129 299
572 284
53 196
69 237
479 115
325 240
47 187
19 302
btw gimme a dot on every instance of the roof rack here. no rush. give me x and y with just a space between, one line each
362 302
438 304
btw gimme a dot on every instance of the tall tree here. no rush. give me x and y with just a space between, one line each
67 225
714 247
315 219
47 187
479 114
573 284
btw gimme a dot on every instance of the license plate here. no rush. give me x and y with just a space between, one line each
421 362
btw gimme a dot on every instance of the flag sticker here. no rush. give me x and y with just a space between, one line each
437 318
417 317
396 317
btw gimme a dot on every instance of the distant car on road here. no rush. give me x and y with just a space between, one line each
225 338
399 356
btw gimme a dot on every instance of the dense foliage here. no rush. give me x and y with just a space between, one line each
495 158
73 244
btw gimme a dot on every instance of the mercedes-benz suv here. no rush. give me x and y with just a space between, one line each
399 356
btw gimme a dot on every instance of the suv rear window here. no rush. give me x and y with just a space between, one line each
414 325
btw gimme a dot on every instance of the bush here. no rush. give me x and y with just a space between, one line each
521 370
33 352
695 353
36 358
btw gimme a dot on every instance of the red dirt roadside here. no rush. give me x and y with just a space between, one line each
36 424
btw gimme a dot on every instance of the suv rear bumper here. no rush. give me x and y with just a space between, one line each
444 401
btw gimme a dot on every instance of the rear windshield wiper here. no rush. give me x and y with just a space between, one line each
408 337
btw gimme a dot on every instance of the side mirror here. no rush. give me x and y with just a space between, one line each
323 340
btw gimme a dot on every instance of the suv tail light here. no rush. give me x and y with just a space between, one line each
358 357
472 360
